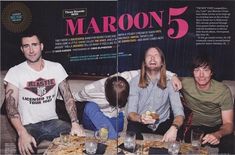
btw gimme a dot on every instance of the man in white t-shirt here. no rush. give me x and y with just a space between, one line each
31 91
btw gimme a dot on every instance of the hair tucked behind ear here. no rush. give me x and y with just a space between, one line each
162 81
143 82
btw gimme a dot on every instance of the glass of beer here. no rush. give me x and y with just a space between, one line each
102 134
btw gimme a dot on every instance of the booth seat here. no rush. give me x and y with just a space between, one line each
9 136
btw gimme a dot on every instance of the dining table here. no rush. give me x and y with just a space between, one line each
76 146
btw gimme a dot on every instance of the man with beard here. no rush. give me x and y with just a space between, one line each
152 92
31 91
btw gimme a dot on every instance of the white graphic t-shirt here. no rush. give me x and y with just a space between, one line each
37 90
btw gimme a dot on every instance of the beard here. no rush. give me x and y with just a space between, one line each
153 69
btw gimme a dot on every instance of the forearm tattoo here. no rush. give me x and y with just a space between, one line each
68 99
11 105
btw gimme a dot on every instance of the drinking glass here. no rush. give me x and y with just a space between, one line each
174 147
90 146
196 138
155 116
102 134
64 138
129 141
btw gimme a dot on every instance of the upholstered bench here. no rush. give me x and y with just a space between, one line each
9 136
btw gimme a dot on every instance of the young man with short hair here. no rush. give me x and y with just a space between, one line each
211 103
31 91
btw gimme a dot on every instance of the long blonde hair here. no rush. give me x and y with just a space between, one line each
143 82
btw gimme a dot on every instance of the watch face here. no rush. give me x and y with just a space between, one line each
77 121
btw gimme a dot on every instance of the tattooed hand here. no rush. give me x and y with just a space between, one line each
77 130
68 99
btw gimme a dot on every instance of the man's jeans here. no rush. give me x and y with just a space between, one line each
47 130
140 128
93 119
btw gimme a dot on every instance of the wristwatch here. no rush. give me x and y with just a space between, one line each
176 126
77 121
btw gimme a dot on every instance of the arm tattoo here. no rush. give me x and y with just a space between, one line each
68 99
11 105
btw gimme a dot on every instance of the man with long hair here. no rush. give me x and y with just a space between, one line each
152 92
104 101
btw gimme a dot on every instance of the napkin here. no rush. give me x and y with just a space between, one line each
101 148
153 150
129 150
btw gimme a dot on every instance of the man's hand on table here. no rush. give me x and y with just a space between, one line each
170 135
211 139
77 129
25 142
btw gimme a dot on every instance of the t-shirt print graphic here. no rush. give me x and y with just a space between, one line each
40 86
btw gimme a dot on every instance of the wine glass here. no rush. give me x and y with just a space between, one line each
102 134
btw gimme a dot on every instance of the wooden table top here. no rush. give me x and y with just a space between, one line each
77 146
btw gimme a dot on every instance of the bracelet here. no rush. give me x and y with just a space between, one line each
176 126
